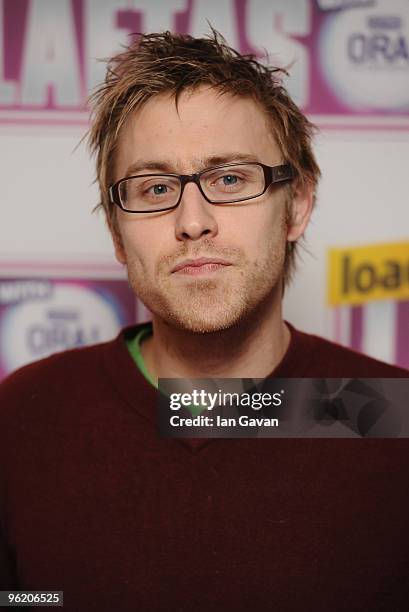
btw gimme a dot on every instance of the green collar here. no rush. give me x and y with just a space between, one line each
134 347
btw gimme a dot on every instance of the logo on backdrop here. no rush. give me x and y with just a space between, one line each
346 57
365 56
367 273
368 292
39 317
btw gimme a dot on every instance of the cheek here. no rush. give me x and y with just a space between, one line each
142 244
261 231
134 245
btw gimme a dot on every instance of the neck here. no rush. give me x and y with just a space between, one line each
251 349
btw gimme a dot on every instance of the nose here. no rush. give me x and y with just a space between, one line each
194 216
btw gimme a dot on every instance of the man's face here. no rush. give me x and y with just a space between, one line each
246 240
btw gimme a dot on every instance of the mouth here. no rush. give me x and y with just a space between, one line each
203 265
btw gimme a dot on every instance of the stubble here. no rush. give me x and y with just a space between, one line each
208 305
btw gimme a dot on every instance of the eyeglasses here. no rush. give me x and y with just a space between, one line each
226 184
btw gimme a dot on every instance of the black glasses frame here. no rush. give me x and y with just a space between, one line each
272 175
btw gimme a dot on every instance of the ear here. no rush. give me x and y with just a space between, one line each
117 242
301 209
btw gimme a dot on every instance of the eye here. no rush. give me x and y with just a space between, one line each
230 179
156 190
159 189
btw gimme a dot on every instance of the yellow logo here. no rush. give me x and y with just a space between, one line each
362 274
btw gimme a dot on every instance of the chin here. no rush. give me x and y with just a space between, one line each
207 306
201 326
206 320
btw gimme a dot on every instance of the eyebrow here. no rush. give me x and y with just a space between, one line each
169 167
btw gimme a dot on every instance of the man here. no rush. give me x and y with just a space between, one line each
207 178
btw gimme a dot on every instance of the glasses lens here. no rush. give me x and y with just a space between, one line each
149 193
233 183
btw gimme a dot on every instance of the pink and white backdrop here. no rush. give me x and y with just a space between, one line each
349 71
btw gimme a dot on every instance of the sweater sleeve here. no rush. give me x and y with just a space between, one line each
8 575
8 570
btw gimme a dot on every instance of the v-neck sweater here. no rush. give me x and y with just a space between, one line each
93 502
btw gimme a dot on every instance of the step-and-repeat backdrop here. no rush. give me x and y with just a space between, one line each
349 67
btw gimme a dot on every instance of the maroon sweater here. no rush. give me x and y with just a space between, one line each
93 502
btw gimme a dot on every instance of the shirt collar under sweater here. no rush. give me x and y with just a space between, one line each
139 394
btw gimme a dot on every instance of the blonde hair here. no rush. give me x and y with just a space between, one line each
171 63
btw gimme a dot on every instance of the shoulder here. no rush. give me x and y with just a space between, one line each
324 358
48 382
74 382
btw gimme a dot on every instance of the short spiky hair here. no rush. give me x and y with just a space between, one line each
171 63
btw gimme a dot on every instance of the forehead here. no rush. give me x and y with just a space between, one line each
204 124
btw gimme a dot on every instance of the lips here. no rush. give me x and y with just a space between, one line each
202 262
